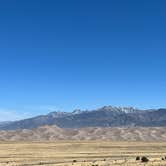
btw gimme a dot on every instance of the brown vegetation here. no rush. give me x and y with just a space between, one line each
81 153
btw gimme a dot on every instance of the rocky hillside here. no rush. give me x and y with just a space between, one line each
107 116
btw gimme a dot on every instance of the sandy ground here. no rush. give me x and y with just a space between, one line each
81 153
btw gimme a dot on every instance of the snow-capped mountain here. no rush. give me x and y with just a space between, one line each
106 116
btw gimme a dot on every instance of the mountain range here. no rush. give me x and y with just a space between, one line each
106 116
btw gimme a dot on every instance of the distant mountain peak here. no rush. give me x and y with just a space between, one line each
119 109
77 111
57 114
105 108
107 116
129 109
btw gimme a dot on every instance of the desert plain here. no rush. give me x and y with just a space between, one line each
82 153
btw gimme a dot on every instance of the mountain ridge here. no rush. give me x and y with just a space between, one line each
106 116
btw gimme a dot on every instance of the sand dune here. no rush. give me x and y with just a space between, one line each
93 133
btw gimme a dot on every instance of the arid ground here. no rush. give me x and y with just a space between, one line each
81 153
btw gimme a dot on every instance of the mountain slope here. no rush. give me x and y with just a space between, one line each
104 117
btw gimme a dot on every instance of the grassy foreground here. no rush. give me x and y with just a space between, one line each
81 153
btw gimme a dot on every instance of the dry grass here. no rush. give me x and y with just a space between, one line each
81 153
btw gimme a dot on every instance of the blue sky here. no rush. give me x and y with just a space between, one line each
63 55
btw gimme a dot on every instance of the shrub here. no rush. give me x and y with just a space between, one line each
162 158
144 159
74 161
137 158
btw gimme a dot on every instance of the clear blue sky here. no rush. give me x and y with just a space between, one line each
81 54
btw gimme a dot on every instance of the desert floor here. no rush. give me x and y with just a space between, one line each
81 153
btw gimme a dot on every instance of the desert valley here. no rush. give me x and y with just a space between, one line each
111 136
